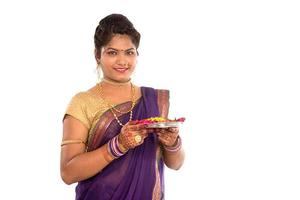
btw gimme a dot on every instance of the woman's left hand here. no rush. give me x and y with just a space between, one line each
167 136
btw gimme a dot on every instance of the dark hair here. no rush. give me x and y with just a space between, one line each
111 25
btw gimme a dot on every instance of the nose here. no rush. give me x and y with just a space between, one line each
121 59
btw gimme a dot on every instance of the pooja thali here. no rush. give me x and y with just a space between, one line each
160 122
164 125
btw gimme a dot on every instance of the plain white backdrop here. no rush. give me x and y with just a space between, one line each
232 68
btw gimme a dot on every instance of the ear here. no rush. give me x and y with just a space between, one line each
97 56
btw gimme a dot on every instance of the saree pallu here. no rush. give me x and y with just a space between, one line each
132 176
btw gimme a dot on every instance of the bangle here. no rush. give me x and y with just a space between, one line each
113 147
65 142
174 149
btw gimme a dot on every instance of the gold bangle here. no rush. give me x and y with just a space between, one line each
64 142
108 157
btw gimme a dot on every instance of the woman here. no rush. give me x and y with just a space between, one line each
104 149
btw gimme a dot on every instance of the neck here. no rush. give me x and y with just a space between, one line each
113 82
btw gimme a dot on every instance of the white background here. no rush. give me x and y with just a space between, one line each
232 68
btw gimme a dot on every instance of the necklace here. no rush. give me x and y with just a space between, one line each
112 106
115 82
113 109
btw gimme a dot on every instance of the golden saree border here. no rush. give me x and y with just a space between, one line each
103 122
163 106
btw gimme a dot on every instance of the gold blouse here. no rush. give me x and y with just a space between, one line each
87 108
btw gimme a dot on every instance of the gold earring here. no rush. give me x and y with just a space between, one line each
99 74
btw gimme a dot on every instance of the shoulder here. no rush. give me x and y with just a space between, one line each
84 106
77 102
86 96
79 98
86 101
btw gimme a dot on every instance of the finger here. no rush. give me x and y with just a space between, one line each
169 135
143 133
132 122
161 130
167 141
136 127
163 140
163 136
129 124
124 128
127 133
158 134
173 129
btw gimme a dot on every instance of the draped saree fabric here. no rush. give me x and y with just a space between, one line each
133 175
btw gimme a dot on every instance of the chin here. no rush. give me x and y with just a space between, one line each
123 80
120 80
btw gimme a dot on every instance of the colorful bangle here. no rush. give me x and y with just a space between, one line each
113 147
175 148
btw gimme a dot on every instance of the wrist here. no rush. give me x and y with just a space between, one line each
121 146
174 144
175 147
108 155
113 147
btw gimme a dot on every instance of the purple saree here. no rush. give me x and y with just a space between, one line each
133 176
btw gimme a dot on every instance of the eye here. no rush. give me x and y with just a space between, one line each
112 53
131 53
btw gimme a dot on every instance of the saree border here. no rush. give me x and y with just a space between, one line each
103 123
107 117
163 107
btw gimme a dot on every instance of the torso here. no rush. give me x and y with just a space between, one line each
97 107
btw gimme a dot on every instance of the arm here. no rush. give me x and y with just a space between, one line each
76 164
169 138
174 160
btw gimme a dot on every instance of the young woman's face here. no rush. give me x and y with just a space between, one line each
118 58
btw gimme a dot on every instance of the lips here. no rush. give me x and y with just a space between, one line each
121 69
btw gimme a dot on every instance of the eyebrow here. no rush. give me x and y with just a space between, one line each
110 48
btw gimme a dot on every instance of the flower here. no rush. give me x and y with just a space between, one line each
152 120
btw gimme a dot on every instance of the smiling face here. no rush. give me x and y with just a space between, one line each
118 58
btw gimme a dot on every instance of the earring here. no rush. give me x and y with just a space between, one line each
99 74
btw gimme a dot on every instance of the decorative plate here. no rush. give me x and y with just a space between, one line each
160 122
164 125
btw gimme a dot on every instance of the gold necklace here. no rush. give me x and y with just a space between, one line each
132 102
112 108
115 82
116 117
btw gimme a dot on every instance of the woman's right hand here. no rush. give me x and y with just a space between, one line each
133 135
